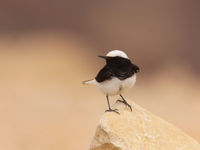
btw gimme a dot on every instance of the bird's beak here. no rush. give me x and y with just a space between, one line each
104 57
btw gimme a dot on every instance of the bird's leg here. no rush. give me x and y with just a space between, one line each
125 102
109 108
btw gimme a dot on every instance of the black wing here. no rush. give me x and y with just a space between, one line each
117 67
104 74
125 71
121 68
135 68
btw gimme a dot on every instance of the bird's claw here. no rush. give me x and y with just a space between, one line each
113 110
124 102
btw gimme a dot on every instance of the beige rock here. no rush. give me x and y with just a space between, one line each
138 130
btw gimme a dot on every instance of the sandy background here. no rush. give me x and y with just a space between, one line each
47 49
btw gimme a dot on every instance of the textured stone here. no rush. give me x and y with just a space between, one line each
138 130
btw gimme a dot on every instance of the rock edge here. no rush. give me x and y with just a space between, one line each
138 130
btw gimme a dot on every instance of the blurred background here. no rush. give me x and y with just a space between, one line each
48 47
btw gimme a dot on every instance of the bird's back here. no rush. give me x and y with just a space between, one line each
118 67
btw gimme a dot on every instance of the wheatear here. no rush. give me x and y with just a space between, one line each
118 75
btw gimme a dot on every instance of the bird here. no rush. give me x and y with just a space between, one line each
117 76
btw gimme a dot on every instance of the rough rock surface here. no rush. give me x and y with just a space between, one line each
138 130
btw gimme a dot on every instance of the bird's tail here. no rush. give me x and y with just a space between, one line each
92 82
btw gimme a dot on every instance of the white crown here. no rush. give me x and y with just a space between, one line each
115 53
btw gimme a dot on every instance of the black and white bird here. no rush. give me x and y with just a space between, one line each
117 76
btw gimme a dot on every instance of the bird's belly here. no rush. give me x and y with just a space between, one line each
110 87
116 86
128 83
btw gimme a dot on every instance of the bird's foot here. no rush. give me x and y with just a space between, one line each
113 110
124 102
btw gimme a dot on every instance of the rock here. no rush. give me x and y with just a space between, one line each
138 130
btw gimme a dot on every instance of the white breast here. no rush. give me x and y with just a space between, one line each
116 86
110 87
128 83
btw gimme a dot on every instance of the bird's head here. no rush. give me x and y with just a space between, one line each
115 53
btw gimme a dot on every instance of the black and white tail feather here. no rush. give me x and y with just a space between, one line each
89 82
